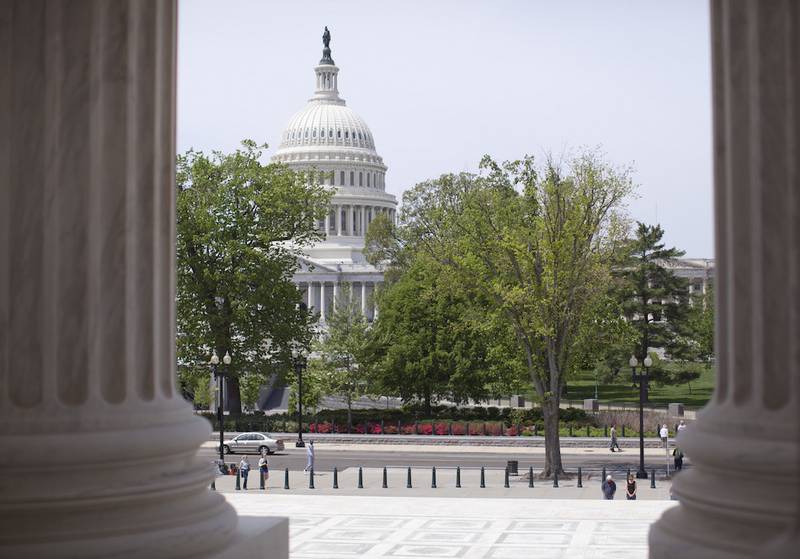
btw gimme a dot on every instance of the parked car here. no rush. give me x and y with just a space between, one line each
252 443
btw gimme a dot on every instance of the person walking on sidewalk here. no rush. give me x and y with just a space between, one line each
681 427
678 454
309 457
630 491
664 434
263 467
609 488
244 468
614 443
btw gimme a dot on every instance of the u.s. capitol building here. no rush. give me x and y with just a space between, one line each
329 137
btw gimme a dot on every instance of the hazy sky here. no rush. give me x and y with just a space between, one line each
441 83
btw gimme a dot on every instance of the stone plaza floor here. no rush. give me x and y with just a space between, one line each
343 526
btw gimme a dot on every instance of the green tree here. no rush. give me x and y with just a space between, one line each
343 351
432 340
535 245
240 226
654 300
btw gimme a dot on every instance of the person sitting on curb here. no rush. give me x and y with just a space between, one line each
609 488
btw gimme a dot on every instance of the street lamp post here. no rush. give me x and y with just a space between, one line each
299 365
220 375
642 378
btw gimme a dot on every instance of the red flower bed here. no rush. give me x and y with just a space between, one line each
375 429
358 428
425 429
408 429
440 428
512 432
458 428
390 429
476 428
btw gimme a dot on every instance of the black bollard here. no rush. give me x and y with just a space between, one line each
360 478
483 478
580 477
458 476
652 479
385 479
286 478
335 478
605 430
623 430
603 475
238 481
408 480
311 478
530 476
588 431
213 486
555 479
505 484
433 478
260 478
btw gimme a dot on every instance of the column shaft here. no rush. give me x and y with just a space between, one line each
364 298
741 492
322 302
101 447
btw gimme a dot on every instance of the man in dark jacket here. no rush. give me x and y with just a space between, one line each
609 488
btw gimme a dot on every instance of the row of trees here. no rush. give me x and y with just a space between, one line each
514 277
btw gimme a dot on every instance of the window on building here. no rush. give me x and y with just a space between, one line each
330 132
347 134
352 178
314 133
344 221
360 178
341 178
368 174
338 133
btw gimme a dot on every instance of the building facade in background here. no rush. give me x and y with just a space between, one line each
330 138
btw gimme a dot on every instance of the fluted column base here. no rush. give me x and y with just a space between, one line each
734 497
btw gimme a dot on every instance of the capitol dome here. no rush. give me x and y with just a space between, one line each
328 137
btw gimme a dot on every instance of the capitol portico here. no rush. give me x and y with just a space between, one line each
329 138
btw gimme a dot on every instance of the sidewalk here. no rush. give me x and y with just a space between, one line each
421 480
460 440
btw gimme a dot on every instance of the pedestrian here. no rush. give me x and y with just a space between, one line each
630 492
678 455
614 443
309 457
664 434
244 468
263 467
609 488
681 426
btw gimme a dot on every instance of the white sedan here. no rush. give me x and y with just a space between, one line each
252 443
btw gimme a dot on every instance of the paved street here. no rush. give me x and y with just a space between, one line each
372 456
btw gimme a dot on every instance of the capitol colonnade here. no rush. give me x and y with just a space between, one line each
741 498
320 295
100 445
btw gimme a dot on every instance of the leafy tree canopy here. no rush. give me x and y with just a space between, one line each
241 225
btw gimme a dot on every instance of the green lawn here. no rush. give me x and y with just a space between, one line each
622 391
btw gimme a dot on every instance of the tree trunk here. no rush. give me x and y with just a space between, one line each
234 402
428 412
552 442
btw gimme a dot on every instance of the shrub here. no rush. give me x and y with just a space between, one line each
527 433
408 428
425 429
512 431
495 429
375 429
476 428
458 428
440 428
390 429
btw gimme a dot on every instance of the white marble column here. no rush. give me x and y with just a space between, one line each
99 445
335 295
322 302
363 220
310 296
338 210
364 298
375 301
740 497
328 223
